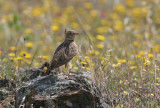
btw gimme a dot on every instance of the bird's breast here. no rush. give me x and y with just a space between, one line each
73 49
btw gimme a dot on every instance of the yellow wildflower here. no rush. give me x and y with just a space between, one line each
99 46
150 55
131 62
152 94
133 67
83 63
88 68
23 53
140 12
104 22
156 48
121 61
97 53
87 57
37 12
28 31
145 10
55 28
13 48
101 37
138 56
136 44
135 79
4 74
102 29
93 13
130 3
29 44
136 12
142 53
118 106
69 9
125 92
118 25
45 57
88 5
28 56
157 84
115 65
19 58
114 16
11 54
137 99
120 9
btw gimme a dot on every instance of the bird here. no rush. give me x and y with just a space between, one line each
64 52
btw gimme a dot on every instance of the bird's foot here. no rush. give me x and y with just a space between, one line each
66 74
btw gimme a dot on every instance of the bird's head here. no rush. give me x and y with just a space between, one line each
70 34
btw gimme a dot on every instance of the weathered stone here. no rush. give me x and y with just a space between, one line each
74 91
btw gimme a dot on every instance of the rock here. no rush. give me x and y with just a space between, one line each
6 93
34 72
60 91
6 87
4 83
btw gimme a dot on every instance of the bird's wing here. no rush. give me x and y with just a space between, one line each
62 45
60 57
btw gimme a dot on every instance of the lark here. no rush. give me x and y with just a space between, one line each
65 51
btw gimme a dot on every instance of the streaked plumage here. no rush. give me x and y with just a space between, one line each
65 51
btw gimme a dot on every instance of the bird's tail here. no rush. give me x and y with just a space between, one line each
48 70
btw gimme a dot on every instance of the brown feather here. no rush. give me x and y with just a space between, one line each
64 52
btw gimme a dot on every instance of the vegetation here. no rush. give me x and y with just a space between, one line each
119 43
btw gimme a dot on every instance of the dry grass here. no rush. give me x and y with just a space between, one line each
119 43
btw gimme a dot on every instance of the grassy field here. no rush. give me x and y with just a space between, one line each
119 43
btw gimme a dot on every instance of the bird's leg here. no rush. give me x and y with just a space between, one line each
66 66
60 70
